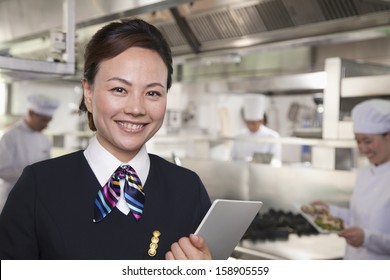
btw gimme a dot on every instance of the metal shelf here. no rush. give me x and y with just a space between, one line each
366 86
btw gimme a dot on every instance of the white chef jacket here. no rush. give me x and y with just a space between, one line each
19 147
369 210
245 149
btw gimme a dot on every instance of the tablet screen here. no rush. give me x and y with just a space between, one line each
225 223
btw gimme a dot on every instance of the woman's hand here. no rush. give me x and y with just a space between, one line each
353 235
189 248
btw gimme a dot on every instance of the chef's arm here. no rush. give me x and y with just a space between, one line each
378 242
9 174
8 169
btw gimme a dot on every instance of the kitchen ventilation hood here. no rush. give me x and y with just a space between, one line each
62 43
202 27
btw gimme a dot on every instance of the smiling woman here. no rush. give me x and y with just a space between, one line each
367 231
128 102
114 190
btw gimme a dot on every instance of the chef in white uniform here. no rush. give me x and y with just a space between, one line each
367 219
253 114
24 143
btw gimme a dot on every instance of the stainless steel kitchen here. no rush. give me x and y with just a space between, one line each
313 60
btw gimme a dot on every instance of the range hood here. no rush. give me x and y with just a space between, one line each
62 43
198 28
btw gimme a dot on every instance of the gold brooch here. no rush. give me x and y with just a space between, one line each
154 244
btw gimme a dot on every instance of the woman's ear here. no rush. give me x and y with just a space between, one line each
87 91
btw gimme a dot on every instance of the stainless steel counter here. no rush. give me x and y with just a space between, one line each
277 187
313 247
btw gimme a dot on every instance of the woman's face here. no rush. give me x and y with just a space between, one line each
375 147
128 100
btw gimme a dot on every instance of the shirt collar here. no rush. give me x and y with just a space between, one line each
384 167
104 164
24 125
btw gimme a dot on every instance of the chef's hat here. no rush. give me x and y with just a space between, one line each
371 117
254 106
42 105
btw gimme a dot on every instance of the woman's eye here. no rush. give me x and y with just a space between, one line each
153 93
118 89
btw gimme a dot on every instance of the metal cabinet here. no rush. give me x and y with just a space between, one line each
348 82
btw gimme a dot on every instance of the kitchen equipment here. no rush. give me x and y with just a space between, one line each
318 99
277 225
308 120
262 157
174 121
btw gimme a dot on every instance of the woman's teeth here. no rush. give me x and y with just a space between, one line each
131 126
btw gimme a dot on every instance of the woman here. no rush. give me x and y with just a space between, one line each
368 229
82 205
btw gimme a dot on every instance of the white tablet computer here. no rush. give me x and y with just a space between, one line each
225 223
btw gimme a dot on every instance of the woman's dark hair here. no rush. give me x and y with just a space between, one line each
115 38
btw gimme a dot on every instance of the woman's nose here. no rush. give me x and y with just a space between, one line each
135 105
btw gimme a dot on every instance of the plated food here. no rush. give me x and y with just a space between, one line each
313 210
321 220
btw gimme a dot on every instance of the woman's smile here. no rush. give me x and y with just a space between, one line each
131 126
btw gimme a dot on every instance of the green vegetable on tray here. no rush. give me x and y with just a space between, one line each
328 222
